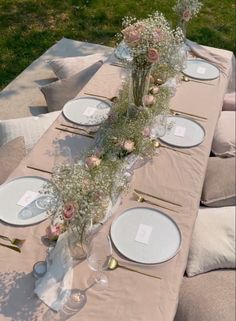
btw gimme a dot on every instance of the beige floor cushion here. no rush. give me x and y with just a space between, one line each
207 297
31 128
11 155
219 186
223 144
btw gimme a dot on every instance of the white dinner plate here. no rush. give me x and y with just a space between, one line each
86 111
183 132
146 235
12 192
201 69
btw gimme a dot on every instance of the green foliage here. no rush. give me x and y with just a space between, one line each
29 27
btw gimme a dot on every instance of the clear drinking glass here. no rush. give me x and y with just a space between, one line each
98 256
159 125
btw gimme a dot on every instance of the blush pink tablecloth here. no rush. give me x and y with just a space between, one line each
171 175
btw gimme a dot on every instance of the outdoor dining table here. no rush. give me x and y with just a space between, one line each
171 175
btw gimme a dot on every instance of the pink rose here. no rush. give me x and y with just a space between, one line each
128 146
69 211
187 14
153 55
92 161
148 100
146 132
132 34
53 232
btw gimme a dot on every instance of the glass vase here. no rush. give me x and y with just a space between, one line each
183 27
139 87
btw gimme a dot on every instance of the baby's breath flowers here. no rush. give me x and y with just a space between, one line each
150 42
86 191
186 10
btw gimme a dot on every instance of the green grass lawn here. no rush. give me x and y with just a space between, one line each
29 27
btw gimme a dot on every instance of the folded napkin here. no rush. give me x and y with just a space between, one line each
54 287
203 53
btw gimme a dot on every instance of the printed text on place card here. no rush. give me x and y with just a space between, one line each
180 131
143 234
89 111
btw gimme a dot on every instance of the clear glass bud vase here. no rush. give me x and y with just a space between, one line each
139 87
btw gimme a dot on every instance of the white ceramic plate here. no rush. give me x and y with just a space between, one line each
11 193
86 111
160 234
201 69
183 132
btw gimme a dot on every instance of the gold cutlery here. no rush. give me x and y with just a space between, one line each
16 244
158 144
158 198
187 79
114 264
177 112
75 132
112 99
89 130
12 247
141 199
39 169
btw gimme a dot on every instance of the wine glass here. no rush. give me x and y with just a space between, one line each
98 256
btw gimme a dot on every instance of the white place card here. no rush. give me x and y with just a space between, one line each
89 111
143 234
180 131
201 70
27 198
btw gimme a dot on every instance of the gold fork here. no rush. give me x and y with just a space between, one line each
141 199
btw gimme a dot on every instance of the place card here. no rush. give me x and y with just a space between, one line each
143 234
27 198
201 70
89 111
180 131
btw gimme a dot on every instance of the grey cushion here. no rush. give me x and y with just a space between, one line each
219 184
67 67
10 156
31 128
207 297
59 92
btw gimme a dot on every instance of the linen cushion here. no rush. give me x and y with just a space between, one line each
67 67
207 297
31 128
219 185
59 92
229 102
224 137
213 241
11 154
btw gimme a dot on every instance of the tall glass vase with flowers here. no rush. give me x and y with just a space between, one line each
149 42
186 10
